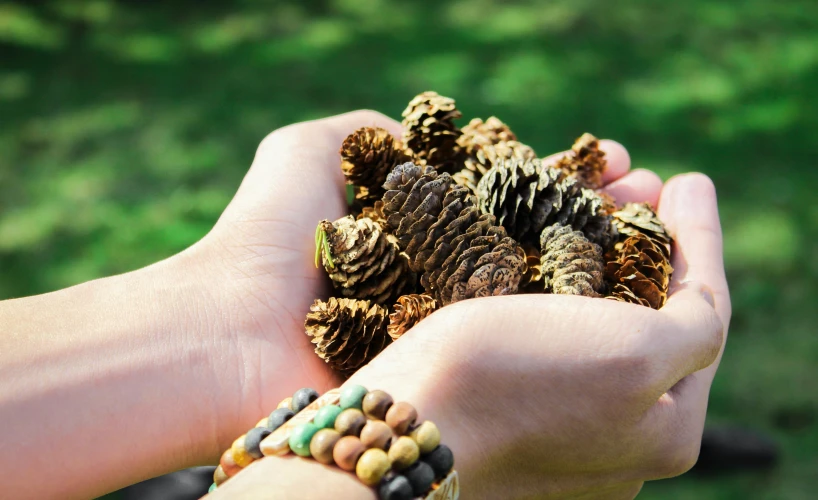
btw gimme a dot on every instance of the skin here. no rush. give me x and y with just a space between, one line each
547 396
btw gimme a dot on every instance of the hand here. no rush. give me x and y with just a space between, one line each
572 397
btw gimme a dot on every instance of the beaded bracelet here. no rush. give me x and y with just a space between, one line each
359 431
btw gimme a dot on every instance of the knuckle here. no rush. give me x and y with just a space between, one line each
639 376
677 457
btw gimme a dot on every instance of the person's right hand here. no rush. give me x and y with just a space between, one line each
573 397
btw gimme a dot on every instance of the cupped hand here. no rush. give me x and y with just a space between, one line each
573 397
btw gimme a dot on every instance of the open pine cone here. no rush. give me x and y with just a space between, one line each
367 156
408 311
362 261
430 133
585 162
640 274
571 264
347 333
462 254
635 218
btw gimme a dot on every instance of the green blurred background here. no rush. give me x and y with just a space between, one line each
126 126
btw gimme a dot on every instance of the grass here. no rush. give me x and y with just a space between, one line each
125 128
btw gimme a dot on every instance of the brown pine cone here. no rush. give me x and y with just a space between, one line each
585 162
362 261
640 274
571 264
585 210
635 218
367 156
375 213
347 333
480 158
408 311
439 227
532 280
430 133
523 195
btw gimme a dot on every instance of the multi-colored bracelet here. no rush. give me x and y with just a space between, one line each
358 430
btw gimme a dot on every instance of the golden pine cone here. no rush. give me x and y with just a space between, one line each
635 218
362 261
430 133
532 279
640 274
347 333
408 311
585 162
442 231
479 159
571 264
367 156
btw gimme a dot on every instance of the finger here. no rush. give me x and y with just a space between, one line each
301 161
617 157
635 187
691 333
689 209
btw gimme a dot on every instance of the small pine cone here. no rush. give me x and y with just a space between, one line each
430 133
347 333
585 210
362 261
408 311
367 156
585 162
480 158
635 218
523 195
442 231
640 274
571 264
491 131
374 213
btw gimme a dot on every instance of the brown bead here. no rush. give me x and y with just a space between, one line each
403 453
401 416
350 422
347 451
427 436
322 444
240 455
230 467
376 404
376 434
373 465
219 475
287 403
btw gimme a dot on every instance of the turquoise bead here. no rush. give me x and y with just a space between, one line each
325 418
352 396
300 439
212 488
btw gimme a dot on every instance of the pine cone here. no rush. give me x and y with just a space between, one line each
367 156
532 280
481 157
636 218
430 133
571 264
640 274
408 311
441 230
347 333
523 196
362 261
375 213
585 210
585 162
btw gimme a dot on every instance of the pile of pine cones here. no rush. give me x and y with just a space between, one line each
444 214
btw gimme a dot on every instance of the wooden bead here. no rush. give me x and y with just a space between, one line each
376 434
287 403
427 436
441 459
401 416
240 455
420 476
376 404
395 488
302 398
403 453
347 451
278 417
350 422
253 440
219 476
372 466
228 465
322 445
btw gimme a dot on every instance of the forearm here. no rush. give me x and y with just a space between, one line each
105 383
